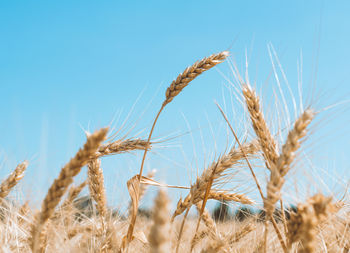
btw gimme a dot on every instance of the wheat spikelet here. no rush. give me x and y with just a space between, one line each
241 233
293 141
96 185
74 192
160 230
265 138
121 146
191 73
226 196
210 225
197 238
60 185
303 224
285 159
206 217
12 179
215 171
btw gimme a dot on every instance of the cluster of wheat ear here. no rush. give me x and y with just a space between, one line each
64 224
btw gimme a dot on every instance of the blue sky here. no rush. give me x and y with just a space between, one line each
69 65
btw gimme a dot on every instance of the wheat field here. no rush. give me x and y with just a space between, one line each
69 222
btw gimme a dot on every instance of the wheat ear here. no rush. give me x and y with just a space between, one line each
73 193
160 231
209 223
121 146
12 179
303 224
172 91
265 138
285 159
96 186
241 233
220 166
60 185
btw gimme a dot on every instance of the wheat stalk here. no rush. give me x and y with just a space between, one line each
172 91
60 185
13 179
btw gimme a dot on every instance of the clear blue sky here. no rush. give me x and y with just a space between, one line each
68 65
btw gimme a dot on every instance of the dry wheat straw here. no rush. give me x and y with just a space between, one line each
12 179
60 185
142 191
96 186
159 236
172 91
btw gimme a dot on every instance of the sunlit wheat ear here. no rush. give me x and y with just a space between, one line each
96 186
220 166
210 225
172 91
281 168
13 179
159 236
235 237
303 225
191 73
121 146
60 185
265 138
229 196
73 193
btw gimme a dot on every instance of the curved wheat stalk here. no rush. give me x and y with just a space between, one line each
172 91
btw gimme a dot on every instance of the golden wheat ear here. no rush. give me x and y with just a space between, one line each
303 224
191 73
60 185
159 236
96 186
13 179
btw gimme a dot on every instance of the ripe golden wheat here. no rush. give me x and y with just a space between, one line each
318 225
